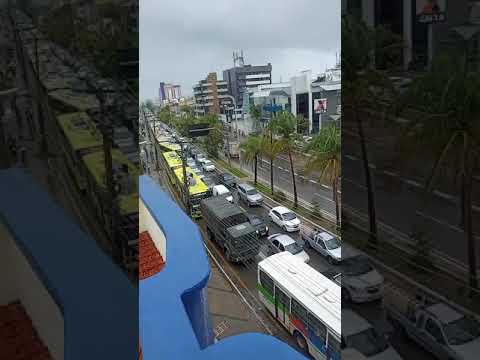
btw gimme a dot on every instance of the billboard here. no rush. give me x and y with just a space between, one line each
431 11
320 106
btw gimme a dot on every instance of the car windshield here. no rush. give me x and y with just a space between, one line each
207 162
293 248
333 244
367 342
356 266
251 192
461 331
227 177
289 216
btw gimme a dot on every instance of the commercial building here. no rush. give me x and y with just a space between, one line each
316 99
246 78
210 93
423 36
174 319
169 93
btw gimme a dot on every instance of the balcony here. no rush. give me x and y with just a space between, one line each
56 284
174 316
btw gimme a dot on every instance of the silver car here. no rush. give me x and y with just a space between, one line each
249 194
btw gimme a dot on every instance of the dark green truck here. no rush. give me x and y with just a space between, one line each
227 225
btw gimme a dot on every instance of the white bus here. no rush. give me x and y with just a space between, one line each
307 303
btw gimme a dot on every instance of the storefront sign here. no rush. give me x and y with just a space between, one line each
320 106
431 11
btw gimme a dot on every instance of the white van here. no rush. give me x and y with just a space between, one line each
221 190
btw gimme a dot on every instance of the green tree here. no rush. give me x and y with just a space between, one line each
364 88
271 148
150 106
253 148
302 125
214 139
256 114
283 125
326 151
449 131
187 109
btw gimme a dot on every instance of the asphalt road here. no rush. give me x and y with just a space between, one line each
373 311
308 190
401 206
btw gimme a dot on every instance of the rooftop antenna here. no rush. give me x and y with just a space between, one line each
238 59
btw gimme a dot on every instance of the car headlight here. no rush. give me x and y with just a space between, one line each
266 228
257 231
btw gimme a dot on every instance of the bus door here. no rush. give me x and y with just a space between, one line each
282 306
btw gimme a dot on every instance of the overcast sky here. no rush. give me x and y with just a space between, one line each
183 40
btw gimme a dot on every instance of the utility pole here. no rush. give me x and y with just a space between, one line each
107 130
185 180
41 121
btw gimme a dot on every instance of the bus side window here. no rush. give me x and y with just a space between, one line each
266 282
318 328
299 312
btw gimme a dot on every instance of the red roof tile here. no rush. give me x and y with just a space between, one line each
151 261
18 338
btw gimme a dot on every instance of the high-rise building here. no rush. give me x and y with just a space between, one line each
209 95
246 78
168 93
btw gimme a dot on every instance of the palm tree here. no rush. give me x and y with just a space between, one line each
326 151
252 148
284 126
363 88
271 148
449 131
256 113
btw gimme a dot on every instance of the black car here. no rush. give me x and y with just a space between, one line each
259 224
227 179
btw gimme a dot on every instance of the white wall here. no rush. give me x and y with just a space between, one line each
19 282
147 223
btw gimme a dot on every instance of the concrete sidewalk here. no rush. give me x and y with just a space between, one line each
229 313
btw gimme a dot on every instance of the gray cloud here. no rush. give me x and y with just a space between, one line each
181 41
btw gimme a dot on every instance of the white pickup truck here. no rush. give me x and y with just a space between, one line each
436 326
323 242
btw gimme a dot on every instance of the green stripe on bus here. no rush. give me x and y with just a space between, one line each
270 298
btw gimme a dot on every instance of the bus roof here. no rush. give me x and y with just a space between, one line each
167 144
172 159
317 293
95 163
80 130
198 188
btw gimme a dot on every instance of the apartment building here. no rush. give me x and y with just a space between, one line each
168 93
210 93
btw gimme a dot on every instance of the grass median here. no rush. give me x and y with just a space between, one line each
233 170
